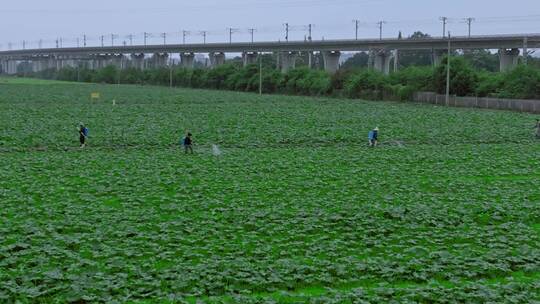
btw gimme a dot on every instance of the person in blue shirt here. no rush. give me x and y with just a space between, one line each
373 137
187 142
83 134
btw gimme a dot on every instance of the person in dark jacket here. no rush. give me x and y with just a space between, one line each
373 137
537 127
188 143
83 134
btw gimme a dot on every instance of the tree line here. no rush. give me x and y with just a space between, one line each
523 82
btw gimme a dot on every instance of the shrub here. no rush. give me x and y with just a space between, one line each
108 74
463 78
522 82
365 84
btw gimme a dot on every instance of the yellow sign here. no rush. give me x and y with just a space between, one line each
95 96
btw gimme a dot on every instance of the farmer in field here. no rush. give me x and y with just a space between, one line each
373 137
187 142
83 134
537 127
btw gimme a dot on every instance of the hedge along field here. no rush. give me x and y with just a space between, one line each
296 210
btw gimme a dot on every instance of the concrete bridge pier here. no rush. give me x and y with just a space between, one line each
38 65
101 61
508 59
71 62
91 63
187 60
159 60
3 66
11 67
249 58
216 59
50 62
395 56
137 61
287 61
331 61
60 62
118 60
382 61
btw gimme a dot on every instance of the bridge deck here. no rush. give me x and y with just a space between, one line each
436 43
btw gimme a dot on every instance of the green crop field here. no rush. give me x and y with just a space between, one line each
296 209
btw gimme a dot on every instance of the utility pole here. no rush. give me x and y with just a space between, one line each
525 50
356 25
170 72
102 41
252 31
184 34
24 45
112 39
310 26
130 36
164 36
84 40
448 71
145 37
57 45
260 74
469 23
381 23
203 33
444 21
286 32
231 31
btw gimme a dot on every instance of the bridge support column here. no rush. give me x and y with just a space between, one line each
70 62
249 58
3 66
216 59
51 62
187 60
12 67
60 62
508 59
118 61
101 61
396 60
382 62
159 60
91 63
287 61
38 65
331 61
137 61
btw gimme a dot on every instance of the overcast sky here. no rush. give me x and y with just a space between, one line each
32 20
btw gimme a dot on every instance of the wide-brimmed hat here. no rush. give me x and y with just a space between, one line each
376 129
